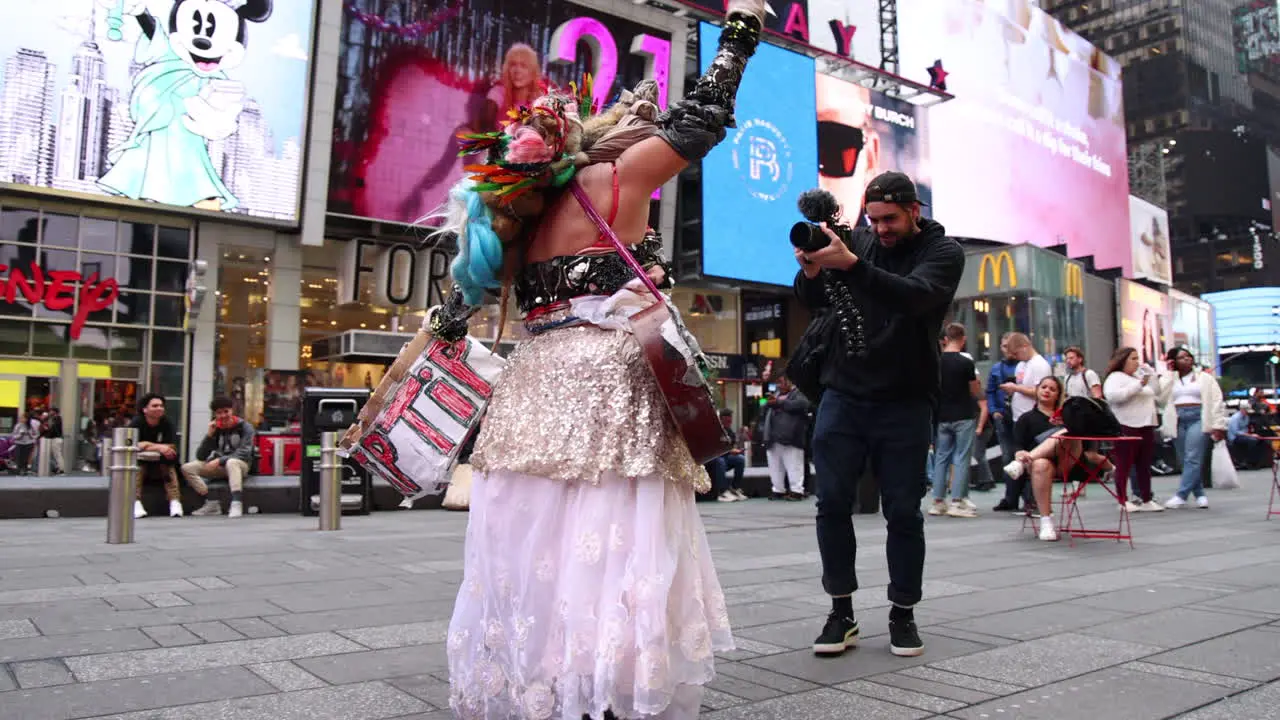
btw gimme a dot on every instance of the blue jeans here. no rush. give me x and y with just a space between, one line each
719 471
894 438
1191 444
953 449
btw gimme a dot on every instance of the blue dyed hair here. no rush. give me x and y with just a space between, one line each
478 266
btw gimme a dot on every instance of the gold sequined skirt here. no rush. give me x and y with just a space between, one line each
576 403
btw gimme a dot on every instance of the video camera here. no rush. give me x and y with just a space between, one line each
818 206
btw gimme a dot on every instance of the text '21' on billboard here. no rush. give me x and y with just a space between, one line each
412 75
751 181
1033 147
862 133
186 103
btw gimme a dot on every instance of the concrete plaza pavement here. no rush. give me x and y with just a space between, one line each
263 618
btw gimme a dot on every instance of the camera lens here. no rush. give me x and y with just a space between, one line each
802 235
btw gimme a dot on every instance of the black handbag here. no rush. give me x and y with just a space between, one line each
1089 417
804 367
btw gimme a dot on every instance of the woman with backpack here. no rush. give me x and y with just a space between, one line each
1194 413
1133 389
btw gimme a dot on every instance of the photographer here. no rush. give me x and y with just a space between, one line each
891 285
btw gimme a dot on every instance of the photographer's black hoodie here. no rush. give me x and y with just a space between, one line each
904 293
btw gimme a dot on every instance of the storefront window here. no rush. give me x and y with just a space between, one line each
711 316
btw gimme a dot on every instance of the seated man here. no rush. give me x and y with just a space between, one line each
1247 449
157 443
225 452
736 461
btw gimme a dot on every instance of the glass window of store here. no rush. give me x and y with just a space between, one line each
93 298
1052 323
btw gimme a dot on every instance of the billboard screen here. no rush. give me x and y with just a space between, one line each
126 103
1256 29
862 133
1033 147
406 90
751 181
1149 238
1144 317
1273 171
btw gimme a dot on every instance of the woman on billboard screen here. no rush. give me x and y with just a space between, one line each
588 588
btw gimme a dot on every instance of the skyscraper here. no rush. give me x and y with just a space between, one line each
80 141
26 113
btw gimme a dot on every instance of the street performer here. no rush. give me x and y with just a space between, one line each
588 589
882 390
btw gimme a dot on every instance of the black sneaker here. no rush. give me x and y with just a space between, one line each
1005 506
838 635
904 639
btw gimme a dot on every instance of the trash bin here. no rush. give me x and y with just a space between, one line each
332 410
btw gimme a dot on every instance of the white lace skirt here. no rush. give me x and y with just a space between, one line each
577 598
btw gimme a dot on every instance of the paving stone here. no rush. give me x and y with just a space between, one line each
12 629
901 696
1249 654
370 616
716 700
1260 703
39 610
767 613
97 699
80 622
1175 627
824 704
1192 675
928 687
254 628
377 664
1109 581
42 582
867 660
54 646
995 602
128 602
165 600
1148 599
214 632
431 690
7 681
41 673
1048 659
1036 622
1112 693
153 662
211 583
172 636
367 701
1266 601
40 595
395 636
764 678
286 676
962 680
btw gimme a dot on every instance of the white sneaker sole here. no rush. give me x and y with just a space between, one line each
906 652
836 648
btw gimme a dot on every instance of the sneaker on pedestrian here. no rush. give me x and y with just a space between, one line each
904 638
1015 469
958 510
838 635
175 508
938 508
1131 506
1005 506
1048 532
778 496
236 510
741 495
965 503
138 510
795 496
1152 506
406 504
1175 503
727 496
1202 502
210 507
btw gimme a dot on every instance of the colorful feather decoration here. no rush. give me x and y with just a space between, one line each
584 94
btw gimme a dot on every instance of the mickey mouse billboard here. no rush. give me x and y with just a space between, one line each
195 104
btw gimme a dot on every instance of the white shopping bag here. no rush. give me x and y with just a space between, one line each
1222 469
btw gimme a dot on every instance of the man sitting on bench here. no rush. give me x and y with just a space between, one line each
225 452
157 452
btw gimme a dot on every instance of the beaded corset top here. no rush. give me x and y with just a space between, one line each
562 278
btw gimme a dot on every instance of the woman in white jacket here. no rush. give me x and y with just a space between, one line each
1194 411
1131 389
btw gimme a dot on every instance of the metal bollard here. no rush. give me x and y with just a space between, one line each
124 483
44 461
330 487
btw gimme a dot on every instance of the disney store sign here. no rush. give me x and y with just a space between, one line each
59 291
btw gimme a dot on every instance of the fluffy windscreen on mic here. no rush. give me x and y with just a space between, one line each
818 205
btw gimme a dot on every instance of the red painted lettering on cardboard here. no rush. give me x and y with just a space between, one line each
452 358
56 291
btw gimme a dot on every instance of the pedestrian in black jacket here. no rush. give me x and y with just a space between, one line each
786 429
882 385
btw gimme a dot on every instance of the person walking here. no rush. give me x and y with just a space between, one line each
786 427
25 434
1132 390
896 280
1194 413
962 414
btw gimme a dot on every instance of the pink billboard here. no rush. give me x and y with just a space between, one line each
1032 148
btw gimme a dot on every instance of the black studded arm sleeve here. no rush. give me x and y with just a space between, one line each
697 123
648 253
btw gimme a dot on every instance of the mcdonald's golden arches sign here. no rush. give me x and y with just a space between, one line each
994 262
1073 281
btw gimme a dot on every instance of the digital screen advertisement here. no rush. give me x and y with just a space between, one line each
861 134
1149 235
123 100
412 77
1033 147
751 181
1256 32
1144 319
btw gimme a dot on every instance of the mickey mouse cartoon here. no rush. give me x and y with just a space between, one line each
181 100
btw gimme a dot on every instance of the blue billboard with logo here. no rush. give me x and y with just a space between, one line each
751 181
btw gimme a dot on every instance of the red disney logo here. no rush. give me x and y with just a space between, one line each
56 291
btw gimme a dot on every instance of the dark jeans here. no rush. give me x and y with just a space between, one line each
894 437
22 457
1013 489
1138 456
1251 452
719 470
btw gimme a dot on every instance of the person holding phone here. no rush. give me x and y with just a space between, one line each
1194 414
1133 389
